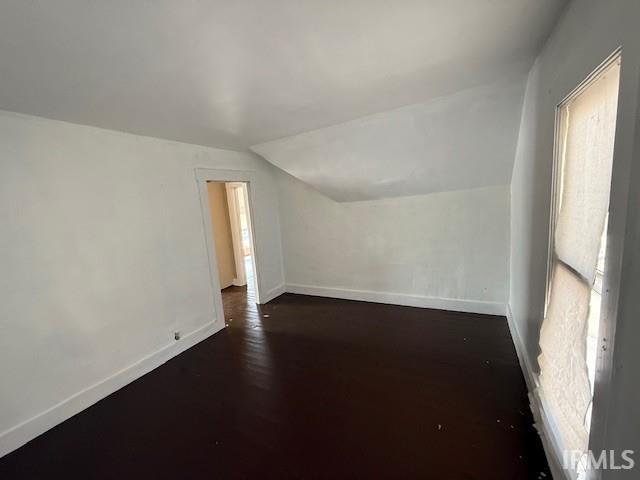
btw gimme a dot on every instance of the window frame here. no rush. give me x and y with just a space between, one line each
614 250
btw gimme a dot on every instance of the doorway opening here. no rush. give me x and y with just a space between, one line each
231 247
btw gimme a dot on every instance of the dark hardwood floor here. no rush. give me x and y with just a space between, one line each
311 388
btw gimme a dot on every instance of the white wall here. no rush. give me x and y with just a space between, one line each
587 33
459 141
103 257
446 250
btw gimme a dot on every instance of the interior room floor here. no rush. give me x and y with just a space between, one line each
307 387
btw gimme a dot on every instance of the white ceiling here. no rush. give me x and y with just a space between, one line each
236 73
459 141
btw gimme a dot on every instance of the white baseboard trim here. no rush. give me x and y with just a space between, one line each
470 306
543 423
22 433
530 376
271 294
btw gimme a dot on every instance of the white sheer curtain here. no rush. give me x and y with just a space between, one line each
564 378
585 179
586 176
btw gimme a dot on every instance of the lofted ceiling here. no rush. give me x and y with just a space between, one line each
235 73
459 141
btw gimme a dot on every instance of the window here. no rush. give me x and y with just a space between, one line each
582 183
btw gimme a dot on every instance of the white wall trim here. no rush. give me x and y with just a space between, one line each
439 303
543 422
273 293
27 430
530 377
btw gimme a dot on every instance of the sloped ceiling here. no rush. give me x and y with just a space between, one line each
464 140
237 73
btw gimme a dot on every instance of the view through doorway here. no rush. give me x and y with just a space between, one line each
232 238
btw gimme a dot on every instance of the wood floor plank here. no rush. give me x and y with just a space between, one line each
311 388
